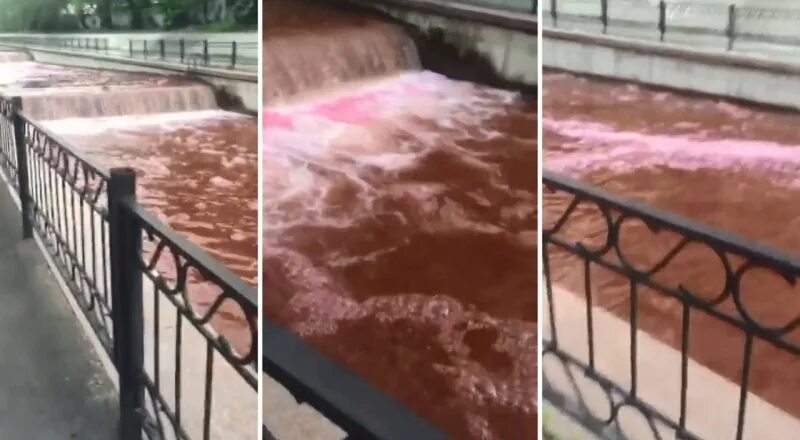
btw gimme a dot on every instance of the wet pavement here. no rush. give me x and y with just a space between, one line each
43 399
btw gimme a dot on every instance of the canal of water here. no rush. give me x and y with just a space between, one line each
731 166
196 167
400 220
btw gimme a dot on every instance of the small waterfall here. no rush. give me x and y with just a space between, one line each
13 57
116 101
320 57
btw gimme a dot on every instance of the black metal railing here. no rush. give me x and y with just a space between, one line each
566 251
133 277
222 54
232 55
729 22
341 396
521 6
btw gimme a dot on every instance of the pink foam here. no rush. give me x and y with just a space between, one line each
274 119
591 145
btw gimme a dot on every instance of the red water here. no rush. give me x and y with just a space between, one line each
726 165
400 239
196 172
19 76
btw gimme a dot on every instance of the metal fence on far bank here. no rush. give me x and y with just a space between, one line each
230 55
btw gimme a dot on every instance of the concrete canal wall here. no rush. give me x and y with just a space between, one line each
479 44
735 76
239 87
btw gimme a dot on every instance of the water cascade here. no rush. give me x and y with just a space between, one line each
196 167
400 220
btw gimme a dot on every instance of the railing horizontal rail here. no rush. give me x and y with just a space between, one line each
233 55
338 394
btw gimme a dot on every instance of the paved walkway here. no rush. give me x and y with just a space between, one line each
52 385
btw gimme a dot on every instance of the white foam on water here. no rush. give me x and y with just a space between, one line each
172 120
593 145
329 162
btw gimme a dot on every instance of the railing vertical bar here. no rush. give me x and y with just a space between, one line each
731 28
208 391
35 172
52 189
93 240
22 168
554 12
126 254
74 219
634 325
662 19
233 55
63 228
604 15
684 361
178 364
106 252
157 351
748 351
156 337
587 287
549 292
205 53
84 271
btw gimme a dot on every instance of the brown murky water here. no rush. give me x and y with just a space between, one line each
196 164
196 172
400 239
726 165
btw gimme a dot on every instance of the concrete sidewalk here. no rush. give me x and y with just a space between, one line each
52 384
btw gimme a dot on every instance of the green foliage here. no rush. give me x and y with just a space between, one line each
227 25
34 15
71 15
176 12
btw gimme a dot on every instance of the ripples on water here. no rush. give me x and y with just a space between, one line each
196 172
196 169
730 166
400 239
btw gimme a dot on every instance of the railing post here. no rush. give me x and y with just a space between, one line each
130 48
554 12
205 52
126 295
731 25
233 55
604 14
22 168
183 49
144 48
662 19
161 48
